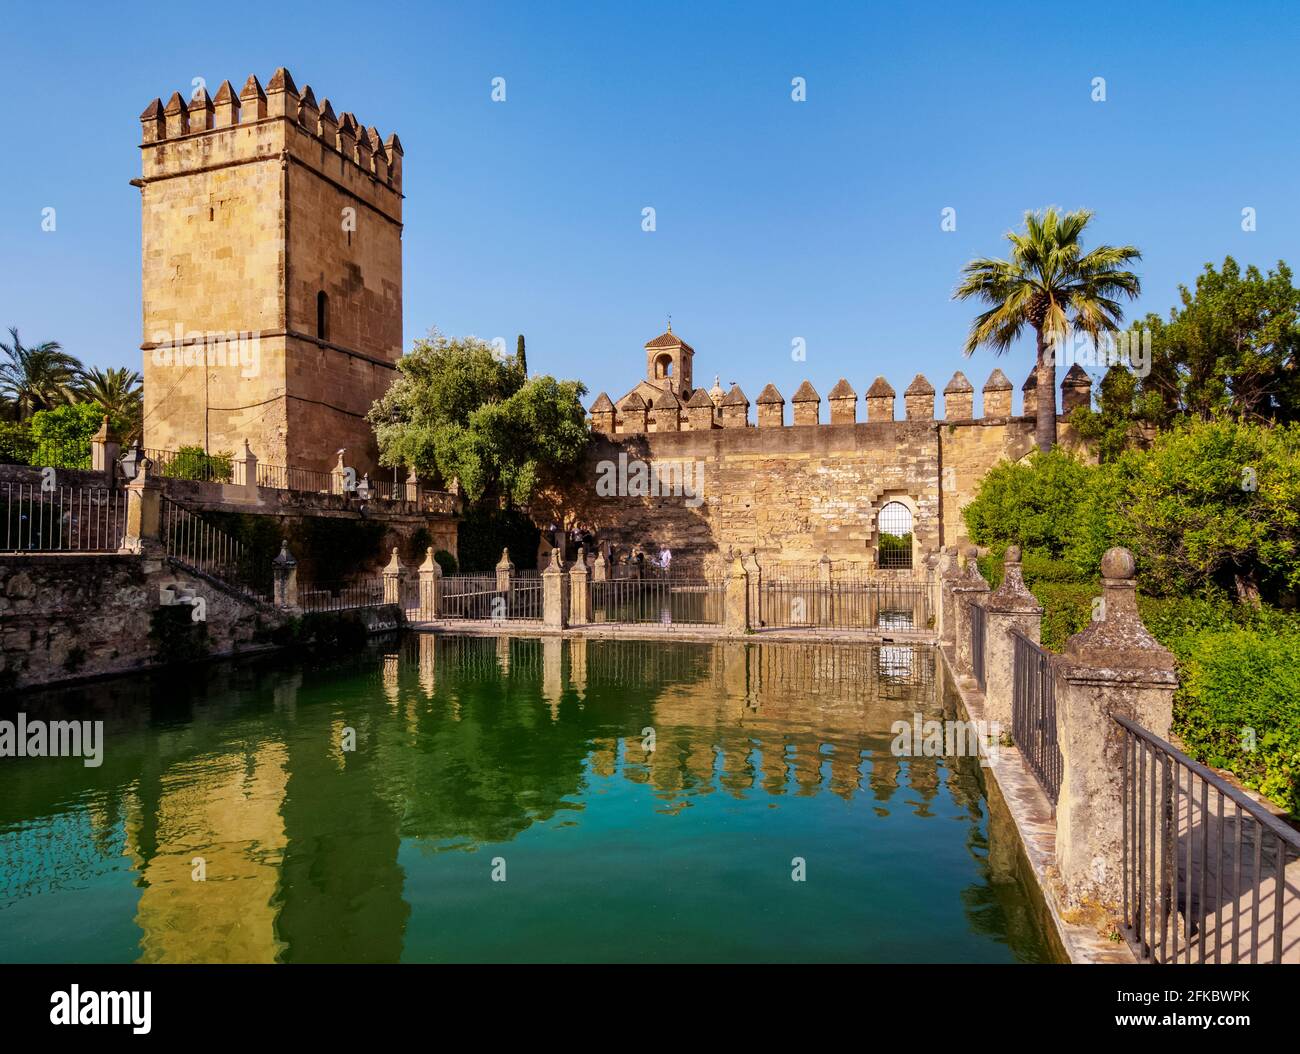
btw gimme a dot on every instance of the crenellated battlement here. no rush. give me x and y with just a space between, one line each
259 123
705 412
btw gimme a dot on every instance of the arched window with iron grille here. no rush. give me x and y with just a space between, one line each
894 537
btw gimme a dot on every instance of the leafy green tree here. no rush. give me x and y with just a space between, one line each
36 378
1213 504
1230 349
1051 286
1123 406
61 436
459 411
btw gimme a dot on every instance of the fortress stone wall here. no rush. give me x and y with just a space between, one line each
796 487
272 273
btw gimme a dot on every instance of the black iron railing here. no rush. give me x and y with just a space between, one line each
666 601
977 620
487 598
366 593
62 519
197 545
1033 713
791 601
1209 875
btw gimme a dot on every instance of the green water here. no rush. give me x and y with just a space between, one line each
480 759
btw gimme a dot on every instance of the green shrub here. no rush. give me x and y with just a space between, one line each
1067 608
1238 707
421 542
16 443
1029 503
446 561
193 462
62 435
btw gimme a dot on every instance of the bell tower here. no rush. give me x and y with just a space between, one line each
668 363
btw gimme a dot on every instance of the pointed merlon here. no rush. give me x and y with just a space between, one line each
633 402
700 398
997 382
880 389
770 395
281 81
805 393
667 399
327 112
1031 382
225 94
735 397
958 384
919 386
176 104
843 390
394 146
153 111
252 89
602 405
1076 374
308 98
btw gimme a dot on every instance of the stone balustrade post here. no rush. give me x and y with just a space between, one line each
339 477
1112 666
971 588
947 572
412 485
736 599
555 589
600 569
822 616
105 449
247 472
1010 607
430 586
755 572
505 571
284 573
392 575
143 511
579 592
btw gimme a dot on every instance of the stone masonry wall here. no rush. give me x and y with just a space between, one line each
64 616
796 493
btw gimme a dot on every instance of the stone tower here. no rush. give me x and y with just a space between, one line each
272 274
668 363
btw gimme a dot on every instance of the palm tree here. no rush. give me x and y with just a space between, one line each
36 378
1051 285
117 390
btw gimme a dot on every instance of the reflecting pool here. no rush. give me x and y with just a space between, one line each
485 799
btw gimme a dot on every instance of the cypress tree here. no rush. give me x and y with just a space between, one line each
521 355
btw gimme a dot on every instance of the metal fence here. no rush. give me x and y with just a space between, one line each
199 546
977 620
666 601
193 464
1033 713
1209 875
65 519
288 477
485 598
45 453
367 593
806 600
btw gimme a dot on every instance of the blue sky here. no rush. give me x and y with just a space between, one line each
775 219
